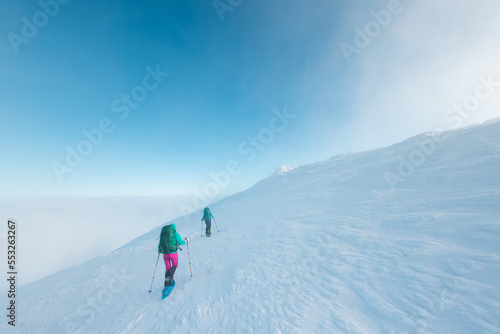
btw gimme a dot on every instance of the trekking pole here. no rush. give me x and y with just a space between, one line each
154 273
189 257
216 224
201 228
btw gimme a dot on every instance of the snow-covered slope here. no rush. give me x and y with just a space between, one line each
333 247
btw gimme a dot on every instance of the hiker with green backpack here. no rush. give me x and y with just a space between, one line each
169 243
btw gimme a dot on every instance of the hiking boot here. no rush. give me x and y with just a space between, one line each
169 277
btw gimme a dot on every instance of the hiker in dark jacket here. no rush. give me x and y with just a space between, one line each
169 243
207 218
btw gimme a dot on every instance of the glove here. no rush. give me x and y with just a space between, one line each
186 238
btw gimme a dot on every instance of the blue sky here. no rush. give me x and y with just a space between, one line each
225 78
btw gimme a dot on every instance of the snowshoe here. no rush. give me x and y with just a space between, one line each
168 289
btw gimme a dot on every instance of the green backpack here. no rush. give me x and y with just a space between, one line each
168 242
207 215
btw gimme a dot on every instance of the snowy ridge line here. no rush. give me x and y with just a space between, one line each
325 248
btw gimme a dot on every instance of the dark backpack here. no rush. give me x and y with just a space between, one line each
168 241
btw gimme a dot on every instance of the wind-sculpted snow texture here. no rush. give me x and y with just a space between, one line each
329 247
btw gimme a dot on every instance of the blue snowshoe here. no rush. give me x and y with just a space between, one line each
168 289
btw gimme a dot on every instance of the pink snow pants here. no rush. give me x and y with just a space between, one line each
170 257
